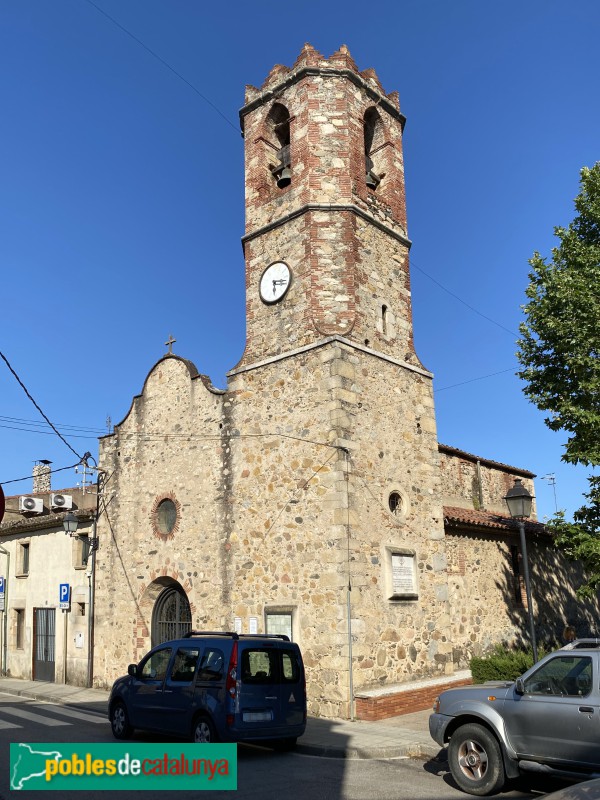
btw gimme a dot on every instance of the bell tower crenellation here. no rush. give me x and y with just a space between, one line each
325 198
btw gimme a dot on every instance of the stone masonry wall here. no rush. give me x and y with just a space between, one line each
338 526
487 601
469 482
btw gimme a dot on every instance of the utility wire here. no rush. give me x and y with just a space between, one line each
22 385
47 433
460 300
29 477
164 63
472 380
62 425
304 486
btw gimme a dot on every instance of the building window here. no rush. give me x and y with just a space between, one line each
395 503
279 622
20 628
165 517
81 544
23 559
401 574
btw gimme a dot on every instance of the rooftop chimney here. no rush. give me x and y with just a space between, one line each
41 476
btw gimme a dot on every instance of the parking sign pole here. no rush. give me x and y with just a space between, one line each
5 613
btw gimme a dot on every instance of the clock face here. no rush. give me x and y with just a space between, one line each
275 282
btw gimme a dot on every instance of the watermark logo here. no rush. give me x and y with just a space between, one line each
65 767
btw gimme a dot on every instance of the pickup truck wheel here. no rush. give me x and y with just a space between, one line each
475 760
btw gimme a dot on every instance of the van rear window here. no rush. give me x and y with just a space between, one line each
259 666
269 666
290 670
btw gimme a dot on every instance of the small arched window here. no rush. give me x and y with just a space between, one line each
373 138
278 131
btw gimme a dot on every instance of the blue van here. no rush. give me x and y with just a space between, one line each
215 687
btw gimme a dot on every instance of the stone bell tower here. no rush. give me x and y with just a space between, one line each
325 244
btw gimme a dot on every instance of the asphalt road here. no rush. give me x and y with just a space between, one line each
262 773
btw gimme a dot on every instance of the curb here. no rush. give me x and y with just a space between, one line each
89 706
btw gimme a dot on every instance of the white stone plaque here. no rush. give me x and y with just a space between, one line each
253 624
403 574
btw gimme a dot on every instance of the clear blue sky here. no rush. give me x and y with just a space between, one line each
121 197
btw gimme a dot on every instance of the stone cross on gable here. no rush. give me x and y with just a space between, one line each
169 343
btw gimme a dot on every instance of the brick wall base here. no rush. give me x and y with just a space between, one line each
405 701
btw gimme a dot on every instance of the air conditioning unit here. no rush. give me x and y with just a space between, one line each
31 505
61 501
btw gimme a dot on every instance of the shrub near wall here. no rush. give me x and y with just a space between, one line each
502 665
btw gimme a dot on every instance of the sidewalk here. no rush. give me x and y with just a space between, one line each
396 737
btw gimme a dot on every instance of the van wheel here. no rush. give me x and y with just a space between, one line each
119 721
204 731
475 760
285 745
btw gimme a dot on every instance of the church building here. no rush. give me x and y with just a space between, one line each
311 496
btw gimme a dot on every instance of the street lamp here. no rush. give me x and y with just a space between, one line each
70 523
519 501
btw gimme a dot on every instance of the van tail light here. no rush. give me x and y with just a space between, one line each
231 682
304 688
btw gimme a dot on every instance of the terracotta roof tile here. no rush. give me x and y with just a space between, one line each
470 518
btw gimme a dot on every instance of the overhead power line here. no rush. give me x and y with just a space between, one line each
164 63
464 302
472 380
63 426
29 477
22 385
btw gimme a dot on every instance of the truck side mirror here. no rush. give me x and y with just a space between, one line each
519 686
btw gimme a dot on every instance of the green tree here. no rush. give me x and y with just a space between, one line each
559 351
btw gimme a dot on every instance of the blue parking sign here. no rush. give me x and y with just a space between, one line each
64 594
1 585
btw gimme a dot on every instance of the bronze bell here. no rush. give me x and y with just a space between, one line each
372 180
285 178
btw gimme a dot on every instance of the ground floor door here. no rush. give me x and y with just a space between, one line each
44 643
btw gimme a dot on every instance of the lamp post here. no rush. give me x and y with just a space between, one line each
519 501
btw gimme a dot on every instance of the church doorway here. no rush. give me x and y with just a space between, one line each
171 616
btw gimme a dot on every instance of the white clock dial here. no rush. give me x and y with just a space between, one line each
275 282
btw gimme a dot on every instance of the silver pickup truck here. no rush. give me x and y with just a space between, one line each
548 721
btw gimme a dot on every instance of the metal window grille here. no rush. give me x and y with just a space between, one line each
172 617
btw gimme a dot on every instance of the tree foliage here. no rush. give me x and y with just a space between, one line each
559 347
559 351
